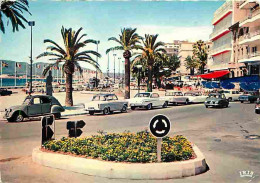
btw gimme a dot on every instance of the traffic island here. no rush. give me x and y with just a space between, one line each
103 156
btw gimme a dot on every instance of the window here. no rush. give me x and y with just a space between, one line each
155 95
36 101
45 100
115 97
109 97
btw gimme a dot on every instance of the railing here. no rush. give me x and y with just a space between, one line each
249 35
225 7
250 55
251 15
219 30
217 49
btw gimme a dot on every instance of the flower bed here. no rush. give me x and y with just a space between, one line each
124 147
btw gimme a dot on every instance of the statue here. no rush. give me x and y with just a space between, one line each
49 84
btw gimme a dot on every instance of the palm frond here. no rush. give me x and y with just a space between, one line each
115 49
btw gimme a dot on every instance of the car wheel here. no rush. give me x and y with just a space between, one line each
106 111
257 111
91 112
149 107
165 105
18 117
186 102
206 106
230 99
242 101
133 107
57 115
124 109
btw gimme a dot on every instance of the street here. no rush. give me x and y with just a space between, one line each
219 133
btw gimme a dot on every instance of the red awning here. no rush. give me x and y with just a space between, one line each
213 75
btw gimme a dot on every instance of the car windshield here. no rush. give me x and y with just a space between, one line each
214 96
142 95
27 101
99 98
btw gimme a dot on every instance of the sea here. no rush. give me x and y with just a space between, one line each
21 81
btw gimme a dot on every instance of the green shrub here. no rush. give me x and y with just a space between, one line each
124 147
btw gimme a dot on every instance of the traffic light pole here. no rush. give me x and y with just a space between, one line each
31 65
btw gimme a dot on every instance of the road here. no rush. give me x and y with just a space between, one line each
219 133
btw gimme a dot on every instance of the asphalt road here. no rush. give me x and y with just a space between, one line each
219 133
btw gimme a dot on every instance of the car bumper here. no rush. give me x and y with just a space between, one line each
138 105
212 105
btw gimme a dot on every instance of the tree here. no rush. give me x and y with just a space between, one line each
152 50
172 62
13 12
191 64
128 40
70 57
200 52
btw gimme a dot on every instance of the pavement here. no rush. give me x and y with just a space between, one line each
219 133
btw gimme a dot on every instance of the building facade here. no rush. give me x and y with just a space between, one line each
248 37
222 37
185 50
172 48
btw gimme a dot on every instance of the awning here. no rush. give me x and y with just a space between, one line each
215 74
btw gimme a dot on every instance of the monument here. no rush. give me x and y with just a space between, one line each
49 84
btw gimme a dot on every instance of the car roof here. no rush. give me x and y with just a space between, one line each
105 94
33 96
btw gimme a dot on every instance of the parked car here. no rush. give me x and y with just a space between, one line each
195 97
216 100
248 97
148 100
4 92
34 105
105 103
78 88
176 97
257 106
231 95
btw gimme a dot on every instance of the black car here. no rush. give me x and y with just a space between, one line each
257 106
4 92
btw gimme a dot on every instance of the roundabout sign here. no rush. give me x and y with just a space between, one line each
159 126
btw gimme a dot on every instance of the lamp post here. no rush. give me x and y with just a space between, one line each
139 67
114 67
119 63
97 62
31 24
123 78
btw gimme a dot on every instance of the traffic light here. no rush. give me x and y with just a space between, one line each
74 128
47 132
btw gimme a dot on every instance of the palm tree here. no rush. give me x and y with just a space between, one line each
191 63
200 52
128 40
173 62
13 11
151 51
70 57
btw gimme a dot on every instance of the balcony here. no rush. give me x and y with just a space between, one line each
250 38
247 4
253 19
217 33
222 12
252 57
220 50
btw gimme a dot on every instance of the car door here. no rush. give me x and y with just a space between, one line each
46 105
111 102
117 104
155 99
35 107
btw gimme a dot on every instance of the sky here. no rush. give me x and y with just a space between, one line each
100 20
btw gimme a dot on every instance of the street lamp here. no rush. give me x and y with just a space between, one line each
123 78
139 67
119 65
114 67
31 24
97 62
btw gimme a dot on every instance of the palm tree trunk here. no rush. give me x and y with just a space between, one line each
150 78
69 99
127 78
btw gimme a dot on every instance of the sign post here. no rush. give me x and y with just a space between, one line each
159 126
47 132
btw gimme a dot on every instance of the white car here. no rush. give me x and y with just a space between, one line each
176 97
232 95
148 100
195 97
105 103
